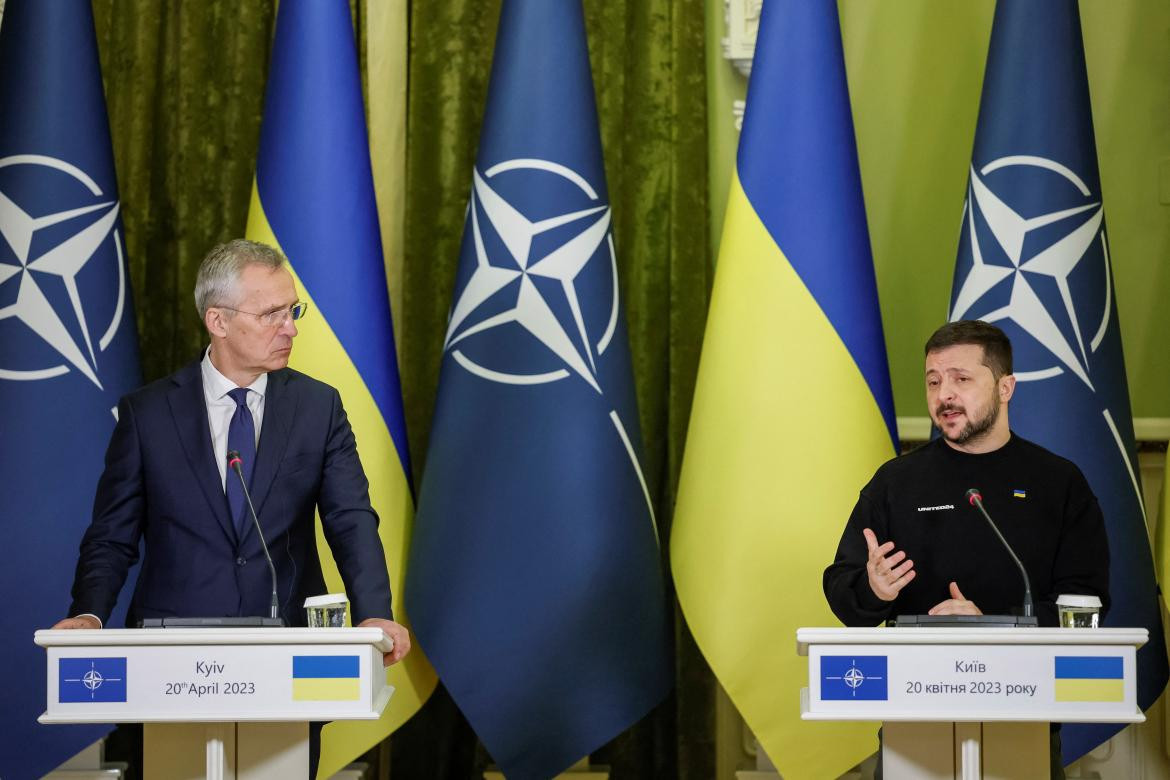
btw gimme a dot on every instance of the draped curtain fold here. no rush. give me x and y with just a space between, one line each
185 86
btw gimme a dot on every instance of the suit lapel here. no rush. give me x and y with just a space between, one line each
189 410
280 406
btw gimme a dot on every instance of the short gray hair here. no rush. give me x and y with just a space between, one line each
219 273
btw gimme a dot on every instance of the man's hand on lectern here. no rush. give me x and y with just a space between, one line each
957 604
81 621
397 633
888 571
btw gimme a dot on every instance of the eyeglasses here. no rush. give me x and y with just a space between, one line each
277 317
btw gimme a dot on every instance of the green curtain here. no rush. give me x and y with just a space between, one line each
185 89
184 86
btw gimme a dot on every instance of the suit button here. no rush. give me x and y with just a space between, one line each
240 561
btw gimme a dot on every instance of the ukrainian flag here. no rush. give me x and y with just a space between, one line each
1089 678
326 678
793 410
314 199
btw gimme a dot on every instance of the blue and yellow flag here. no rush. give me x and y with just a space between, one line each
326 678
1089 678
535 578
1034 259
68 344
793 410
314 199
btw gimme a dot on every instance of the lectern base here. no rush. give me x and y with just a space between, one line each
219 751
964 751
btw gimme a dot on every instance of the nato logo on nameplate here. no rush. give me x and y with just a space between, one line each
854 678
91 680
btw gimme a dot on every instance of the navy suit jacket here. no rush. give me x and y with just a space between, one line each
161 487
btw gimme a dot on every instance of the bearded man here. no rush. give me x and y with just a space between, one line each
914 546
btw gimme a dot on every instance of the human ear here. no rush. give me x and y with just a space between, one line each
1007 387
215 322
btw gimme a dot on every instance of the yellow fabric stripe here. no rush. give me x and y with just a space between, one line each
783 434
386 47
326 689
1090 690
318 353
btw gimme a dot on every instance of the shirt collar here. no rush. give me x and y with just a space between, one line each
217 386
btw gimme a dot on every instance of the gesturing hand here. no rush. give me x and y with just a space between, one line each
957 604
888 571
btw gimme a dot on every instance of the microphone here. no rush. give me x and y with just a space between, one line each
975 498
234 462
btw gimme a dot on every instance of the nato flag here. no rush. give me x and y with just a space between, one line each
68 347
854 678
535 582
1034 259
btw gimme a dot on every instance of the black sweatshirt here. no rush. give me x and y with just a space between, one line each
1040 501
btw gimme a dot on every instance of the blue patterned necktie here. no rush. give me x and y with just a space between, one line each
241 438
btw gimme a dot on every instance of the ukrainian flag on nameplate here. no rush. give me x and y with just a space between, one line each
314 199
1089 678
326 678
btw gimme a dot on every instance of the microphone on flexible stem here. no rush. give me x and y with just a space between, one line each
234 462
975 498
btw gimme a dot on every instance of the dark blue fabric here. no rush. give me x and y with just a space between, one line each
54 157
535 584
161 485
1035 112
241 438
798 166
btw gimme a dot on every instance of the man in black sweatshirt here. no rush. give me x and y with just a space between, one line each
914 545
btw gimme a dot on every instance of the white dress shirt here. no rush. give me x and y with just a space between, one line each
221 407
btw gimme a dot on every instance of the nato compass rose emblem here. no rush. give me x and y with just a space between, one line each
532 267
543 277
92 680
1038 270
853 678
47 257
1038 258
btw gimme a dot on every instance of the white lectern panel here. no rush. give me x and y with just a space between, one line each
184 675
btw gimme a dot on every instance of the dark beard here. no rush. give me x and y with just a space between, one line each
972 430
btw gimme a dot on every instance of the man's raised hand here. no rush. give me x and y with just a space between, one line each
889 571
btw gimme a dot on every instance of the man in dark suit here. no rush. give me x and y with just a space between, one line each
166 483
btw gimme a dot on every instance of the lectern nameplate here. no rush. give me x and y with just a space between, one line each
987 674
175 675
